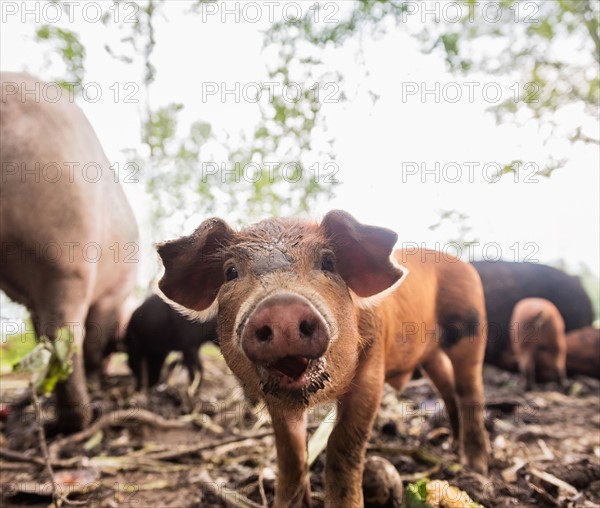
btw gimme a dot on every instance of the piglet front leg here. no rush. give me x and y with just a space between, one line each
293 486
347 444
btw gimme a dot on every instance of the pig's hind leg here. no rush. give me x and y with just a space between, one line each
463 341
63 306
438 368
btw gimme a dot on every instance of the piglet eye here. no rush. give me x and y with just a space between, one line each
231 273
327 263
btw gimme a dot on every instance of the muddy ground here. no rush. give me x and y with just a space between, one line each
169 450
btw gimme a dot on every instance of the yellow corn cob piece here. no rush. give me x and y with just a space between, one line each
440 494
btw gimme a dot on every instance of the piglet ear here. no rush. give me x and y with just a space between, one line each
193 265
362 253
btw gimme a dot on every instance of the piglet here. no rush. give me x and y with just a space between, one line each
156 329
314 312
538 341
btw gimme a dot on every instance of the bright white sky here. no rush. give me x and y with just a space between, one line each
550 219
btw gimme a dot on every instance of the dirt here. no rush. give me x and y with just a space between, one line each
545 445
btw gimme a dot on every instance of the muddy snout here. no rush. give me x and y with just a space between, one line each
284 333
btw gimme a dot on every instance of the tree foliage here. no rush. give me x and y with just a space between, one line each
535 43
67 44
531 43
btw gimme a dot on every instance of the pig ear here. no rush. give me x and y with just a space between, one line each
193 266
362 253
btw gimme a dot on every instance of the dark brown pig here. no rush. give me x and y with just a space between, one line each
68 235
538 341
155 329
583 351
505 283
311 312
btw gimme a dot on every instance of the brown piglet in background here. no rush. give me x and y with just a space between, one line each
538 341
312 312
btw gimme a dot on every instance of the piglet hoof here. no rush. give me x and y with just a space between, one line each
478 464
382 485
295 497
306 501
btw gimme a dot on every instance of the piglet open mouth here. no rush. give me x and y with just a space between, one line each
290 366
294 378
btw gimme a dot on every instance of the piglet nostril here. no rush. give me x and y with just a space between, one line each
307 329
284 326
264 333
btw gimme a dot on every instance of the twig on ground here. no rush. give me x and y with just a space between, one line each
15 456
418 452
427 473
553 480
261 486
197 448
20 457
184 450
231 498
57 498
43 445
117 418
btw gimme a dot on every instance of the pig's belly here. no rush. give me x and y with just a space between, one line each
403 356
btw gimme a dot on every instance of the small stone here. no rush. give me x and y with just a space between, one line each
382 485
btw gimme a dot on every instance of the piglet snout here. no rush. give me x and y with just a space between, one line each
284 332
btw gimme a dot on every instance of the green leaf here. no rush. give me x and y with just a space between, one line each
50 361
93 441
415 495
14 347
66 43
36 363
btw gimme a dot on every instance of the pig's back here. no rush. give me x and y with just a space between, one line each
48 198
540 310
439 291
408 313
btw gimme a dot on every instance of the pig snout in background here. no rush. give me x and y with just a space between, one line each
583 351
156 329
538 341
506 283
298 326
59 233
